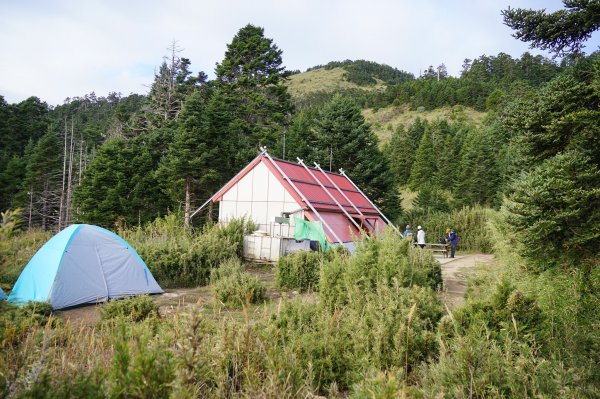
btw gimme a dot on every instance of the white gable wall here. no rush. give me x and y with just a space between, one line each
260 197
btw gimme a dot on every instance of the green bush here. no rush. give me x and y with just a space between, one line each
299 271
49 387
16 322
387 260
179 257
135 308
142 366
236 288
16 249
470 223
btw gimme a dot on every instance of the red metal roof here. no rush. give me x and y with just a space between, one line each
318 190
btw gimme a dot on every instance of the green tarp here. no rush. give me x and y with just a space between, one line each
305 230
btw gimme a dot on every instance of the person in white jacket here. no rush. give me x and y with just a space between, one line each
420 237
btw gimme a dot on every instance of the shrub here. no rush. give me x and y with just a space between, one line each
235 287
16 322
470 223
387 260
15 252
142 367
299 271
234 231
178 257
134 308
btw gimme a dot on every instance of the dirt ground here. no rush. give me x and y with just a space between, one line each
454 272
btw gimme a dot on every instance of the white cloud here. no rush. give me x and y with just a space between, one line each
68 48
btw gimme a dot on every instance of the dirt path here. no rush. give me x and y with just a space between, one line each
455 272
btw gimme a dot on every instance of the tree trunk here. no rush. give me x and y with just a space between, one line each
70 179
64 174
188 204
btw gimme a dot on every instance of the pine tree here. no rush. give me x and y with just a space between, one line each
555 210
250 85
171 85
479 178
424 169
402 148
346 141
191 167
42 182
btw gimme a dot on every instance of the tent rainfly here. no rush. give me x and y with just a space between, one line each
270 190
83 264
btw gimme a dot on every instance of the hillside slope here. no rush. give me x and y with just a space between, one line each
385 120
324 80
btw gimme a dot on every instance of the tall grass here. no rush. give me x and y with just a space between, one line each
471 223
181 257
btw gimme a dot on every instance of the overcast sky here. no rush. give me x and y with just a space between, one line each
60 49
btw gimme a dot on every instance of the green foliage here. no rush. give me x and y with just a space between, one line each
119 187
562 32
134 372
344 140
387 260
49 387
250 105
402 148
470 223
135 308
17 322
235 287
16 251
299 271
554 211
179 257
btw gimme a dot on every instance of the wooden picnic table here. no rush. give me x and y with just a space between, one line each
436 247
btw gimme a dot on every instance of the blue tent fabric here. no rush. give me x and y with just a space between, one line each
83 264
2 295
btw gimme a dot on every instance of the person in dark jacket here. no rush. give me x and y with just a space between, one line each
453 240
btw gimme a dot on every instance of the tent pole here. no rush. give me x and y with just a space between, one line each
307 202
341 192
343 173
301 162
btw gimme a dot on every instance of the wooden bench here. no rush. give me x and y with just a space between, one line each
436 247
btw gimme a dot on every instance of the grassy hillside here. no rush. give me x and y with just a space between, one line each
385 120
324 80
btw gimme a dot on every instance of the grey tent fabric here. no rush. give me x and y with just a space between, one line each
98 266
83 264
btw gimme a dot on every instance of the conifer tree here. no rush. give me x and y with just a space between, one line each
402 148
191 166
424 169
346 141
250 88
42 178
478 180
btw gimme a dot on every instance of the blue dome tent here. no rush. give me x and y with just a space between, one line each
83 264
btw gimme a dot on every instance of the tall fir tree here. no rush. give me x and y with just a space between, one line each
192 167
250 84
346 141
424 169
479 178
402 148
42 182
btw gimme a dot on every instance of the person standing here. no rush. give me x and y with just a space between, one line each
453 239
408 233
420 237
